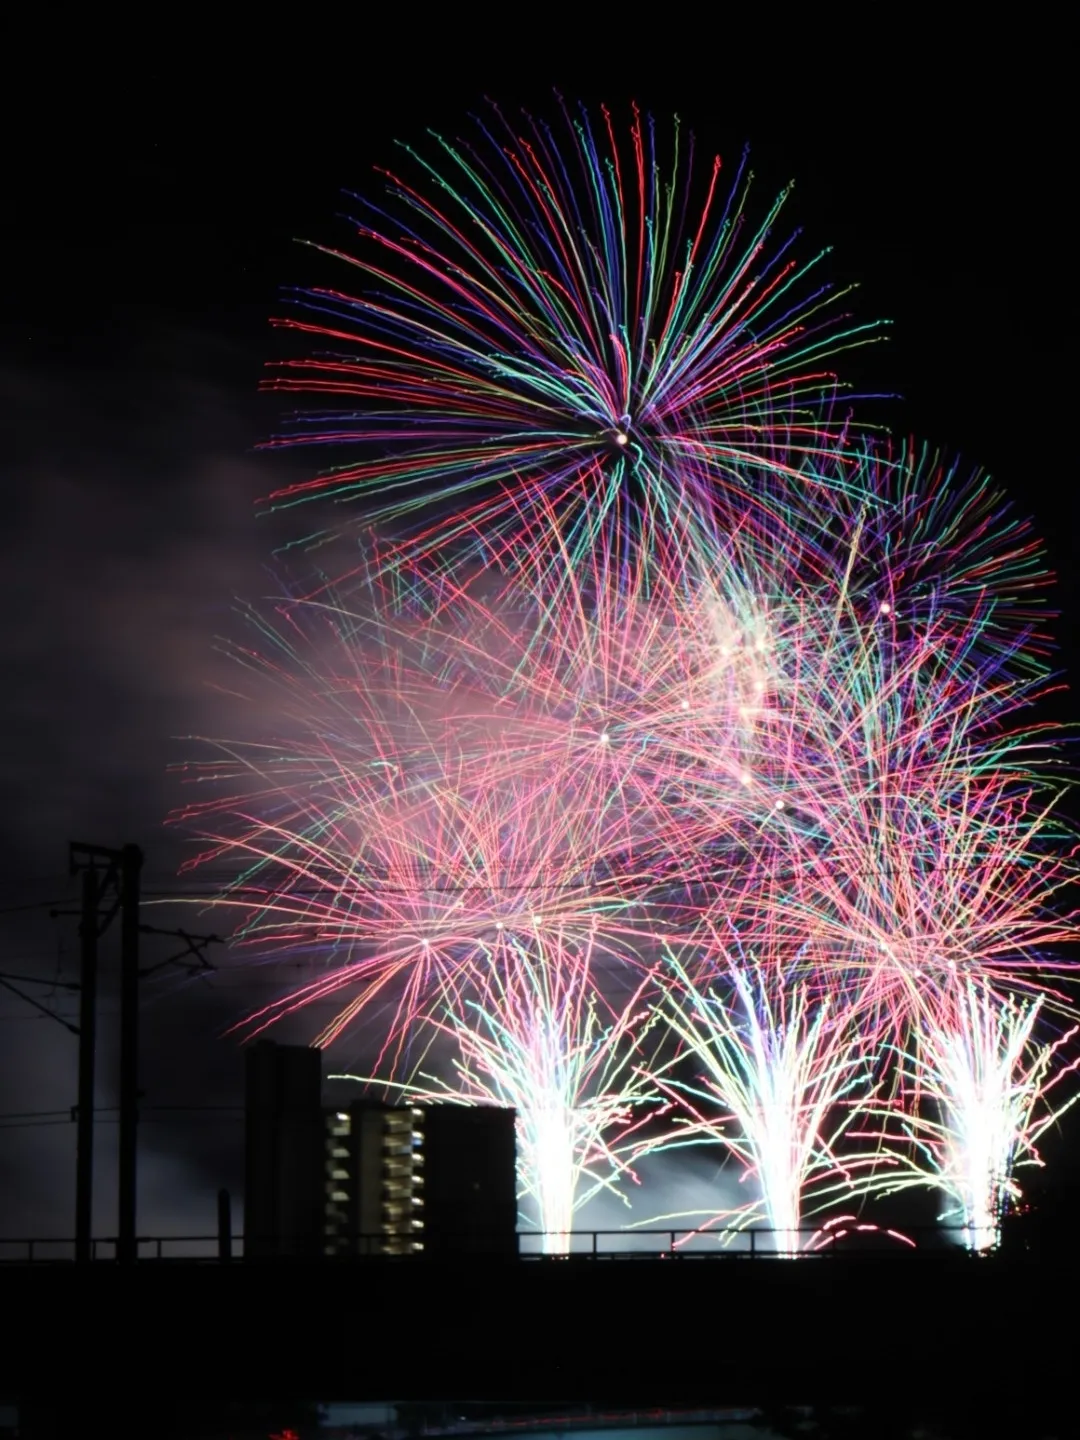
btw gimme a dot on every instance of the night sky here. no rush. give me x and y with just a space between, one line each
146 252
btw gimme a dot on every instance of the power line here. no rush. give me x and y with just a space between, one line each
111 1120
109 1115
32 1124
35 1114
46 1011
114 1109
35 905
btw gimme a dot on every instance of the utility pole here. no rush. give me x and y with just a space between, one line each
84 1140
224 1225
108 873
130 868
111 878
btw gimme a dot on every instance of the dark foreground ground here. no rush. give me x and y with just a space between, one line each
977 1346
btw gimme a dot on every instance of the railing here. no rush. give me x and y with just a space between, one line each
585 1419
533 1246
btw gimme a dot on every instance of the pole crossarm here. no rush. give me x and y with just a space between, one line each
191 958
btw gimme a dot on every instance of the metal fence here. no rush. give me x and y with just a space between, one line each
532 1246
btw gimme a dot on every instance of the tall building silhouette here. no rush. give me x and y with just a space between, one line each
283 1151
371 1179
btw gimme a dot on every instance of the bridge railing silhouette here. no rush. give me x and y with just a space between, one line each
758 1243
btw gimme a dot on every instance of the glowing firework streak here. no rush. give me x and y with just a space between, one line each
512 768
914 831
536 1036
542 315
777 1060
674 658
980 1097
936 546
441 775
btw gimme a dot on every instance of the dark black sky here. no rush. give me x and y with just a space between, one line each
154 190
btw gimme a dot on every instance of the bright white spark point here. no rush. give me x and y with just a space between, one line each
605 738
685 705
498 924
885 608
779 804
621 437
746 778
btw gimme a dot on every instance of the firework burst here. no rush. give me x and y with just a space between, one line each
982 1089
780 1064
558 313
533 1032
668 723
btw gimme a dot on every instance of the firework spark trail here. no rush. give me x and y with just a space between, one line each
657 655
965 889
540 307
535 1034
588 732
778 1058
468 775
914 821
453 758
923 540
979 1090
927 854
416 892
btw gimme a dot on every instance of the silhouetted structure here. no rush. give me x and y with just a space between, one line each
108 875
417 1180
360 1331
283 1151
372 1179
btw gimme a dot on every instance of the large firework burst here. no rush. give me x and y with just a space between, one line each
658 700
567 312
